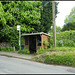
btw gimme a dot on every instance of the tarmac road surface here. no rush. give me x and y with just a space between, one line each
9 65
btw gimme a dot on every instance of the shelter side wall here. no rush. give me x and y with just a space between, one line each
49 40
44 37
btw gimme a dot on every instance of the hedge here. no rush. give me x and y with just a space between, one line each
66 38
8 49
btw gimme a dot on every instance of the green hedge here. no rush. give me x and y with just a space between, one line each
8 49
66 38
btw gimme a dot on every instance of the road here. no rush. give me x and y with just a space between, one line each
10 65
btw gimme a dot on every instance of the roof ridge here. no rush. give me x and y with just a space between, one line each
36 34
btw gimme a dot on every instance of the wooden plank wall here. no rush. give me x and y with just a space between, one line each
26 43
44 37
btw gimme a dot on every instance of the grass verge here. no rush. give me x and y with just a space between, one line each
42 51
57 56
64 58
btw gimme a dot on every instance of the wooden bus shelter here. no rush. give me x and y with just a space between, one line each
34 41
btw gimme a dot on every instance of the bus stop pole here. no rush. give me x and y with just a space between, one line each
19 39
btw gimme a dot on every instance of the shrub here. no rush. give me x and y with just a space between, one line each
66 38
24 51
8 49
51 40
42 50
46 44
60 43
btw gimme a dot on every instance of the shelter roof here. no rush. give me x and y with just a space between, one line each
36 34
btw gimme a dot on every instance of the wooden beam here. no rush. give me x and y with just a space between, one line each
24 43
28 42
36 43
41 41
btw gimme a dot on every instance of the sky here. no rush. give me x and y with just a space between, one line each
64 7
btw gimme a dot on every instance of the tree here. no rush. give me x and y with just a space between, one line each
58 29
69 26
70 21
27 14
2 19
23 13
71 16
46 15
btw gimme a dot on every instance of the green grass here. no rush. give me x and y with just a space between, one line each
55 49
67 58
58 55
64 48
42 51
24 51
64 58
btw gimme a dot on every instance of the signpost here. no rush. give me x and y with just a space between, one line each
18 28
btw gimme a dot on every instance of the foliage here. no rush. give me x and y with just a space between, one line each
10 34
62 58
71 16
69 26
46 15
22 40
24 51
70 21
42 50
67 58
51 40
27 14
66 38
46 44
58 29
23 13
7 49
64 48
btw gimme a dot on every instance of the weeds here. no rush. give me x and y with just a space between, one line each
67 58
64 48
42 50
24 51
